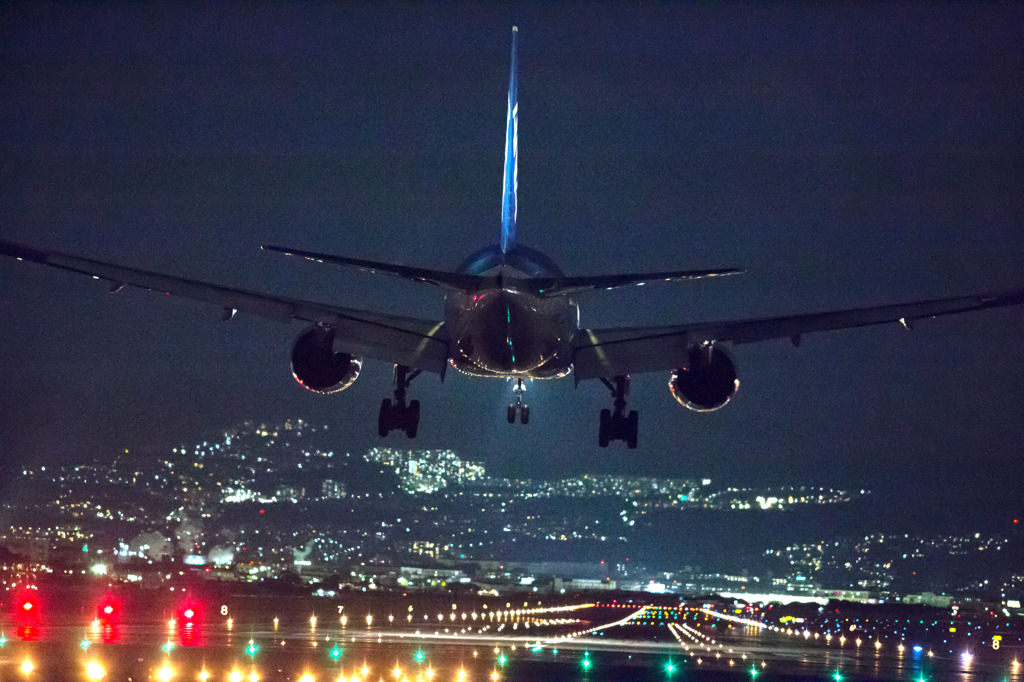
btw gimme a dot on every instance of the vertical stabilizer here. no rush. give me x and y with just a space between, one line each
511 179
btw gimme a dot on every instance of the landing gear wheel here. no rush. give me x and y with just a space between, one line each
632 427
384 420
395 414
618 424
412 419
602 431
518 407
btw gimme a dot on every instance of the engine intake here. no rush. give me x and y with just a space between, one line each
708 380
318 367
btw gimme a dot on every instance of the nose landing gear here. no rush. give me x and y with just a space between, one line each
397 415
518 406
618 425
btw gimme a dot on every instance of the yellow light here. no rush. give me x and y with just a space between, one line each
364 671
397 672
203 675
878 645
165 673
235 676
254 677
312 621
369 619
307 678
27 667
430 673
461 675
95 671
495 676
231 623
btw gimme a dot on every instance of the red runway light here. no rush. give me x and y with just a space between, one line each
27 606
189 613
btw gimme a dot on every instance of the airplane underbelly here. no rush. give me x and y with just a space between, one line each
510 334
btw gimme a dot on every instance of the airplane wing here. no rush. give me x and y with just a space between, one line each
448 280
614 352
568 286
420 344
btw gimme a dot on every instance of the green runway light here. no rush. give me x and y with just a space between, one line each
837 677
502 659
336 653
3 640
84 644
168 646
420 655
753 671
670 667
252 648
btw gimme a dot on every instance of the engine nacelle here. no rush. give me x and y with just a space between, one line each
708 380
318 367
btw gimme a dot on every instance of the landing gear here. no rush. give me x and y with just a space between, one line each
518 406
397 415
618 425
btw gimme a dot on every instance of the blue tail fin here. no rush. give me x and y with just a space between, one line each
511 180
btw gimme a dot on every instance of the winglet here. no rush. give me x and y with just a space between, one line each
511 178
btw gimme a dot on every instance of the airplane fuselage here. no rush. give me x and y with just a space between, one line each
501 330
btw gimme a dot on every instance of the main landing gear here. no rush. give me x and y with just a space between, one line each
397 416
518 406
618 425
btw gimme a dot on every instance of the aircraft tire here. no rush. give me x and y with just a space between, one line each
524 414
384 419
632 429
511 414
602 431
412 418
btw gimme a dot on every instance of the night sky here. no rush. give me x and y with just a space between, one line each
846 156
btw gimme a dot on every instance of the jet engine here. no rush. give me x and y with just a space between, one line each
318 367
708 380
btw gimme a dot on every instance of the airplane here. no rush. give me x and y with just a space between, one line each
510 312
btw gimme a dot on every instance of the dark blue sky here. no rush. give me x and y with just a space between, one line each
846 156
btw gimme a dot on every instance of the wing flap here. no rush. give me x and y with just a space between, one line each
611 352
421 344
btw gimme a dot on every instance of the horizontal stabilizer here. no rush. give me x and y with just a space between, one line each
448 280
551 286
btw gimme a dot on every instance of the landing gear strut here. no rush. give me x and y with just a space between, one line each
618 425
518 406
397 416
